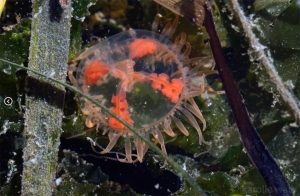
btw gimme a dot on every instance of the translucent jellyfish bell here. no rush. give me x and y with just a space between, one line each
140 65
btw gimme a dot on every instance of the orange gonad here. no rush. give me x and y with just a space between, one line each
169 89
121 109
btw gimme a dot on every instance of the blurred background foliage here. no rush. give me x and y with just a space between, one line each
224 168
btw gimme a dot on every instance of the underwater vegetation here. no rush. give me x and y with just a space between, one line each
221 167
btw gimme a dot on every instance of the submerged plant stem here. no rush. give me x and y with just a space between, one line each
265 61
255 148
48 53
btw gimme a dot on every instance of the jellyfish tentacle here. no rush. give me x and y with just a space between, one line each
88 122
180 126
166 29
180 41
167 127
139 149
128 149
202 63
193 107
71 69
157 135
193 122
113 138
186 53
170 28
145 146
155 23
213 92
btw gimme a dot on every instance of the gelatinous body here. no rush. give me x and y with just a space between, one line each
146 80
